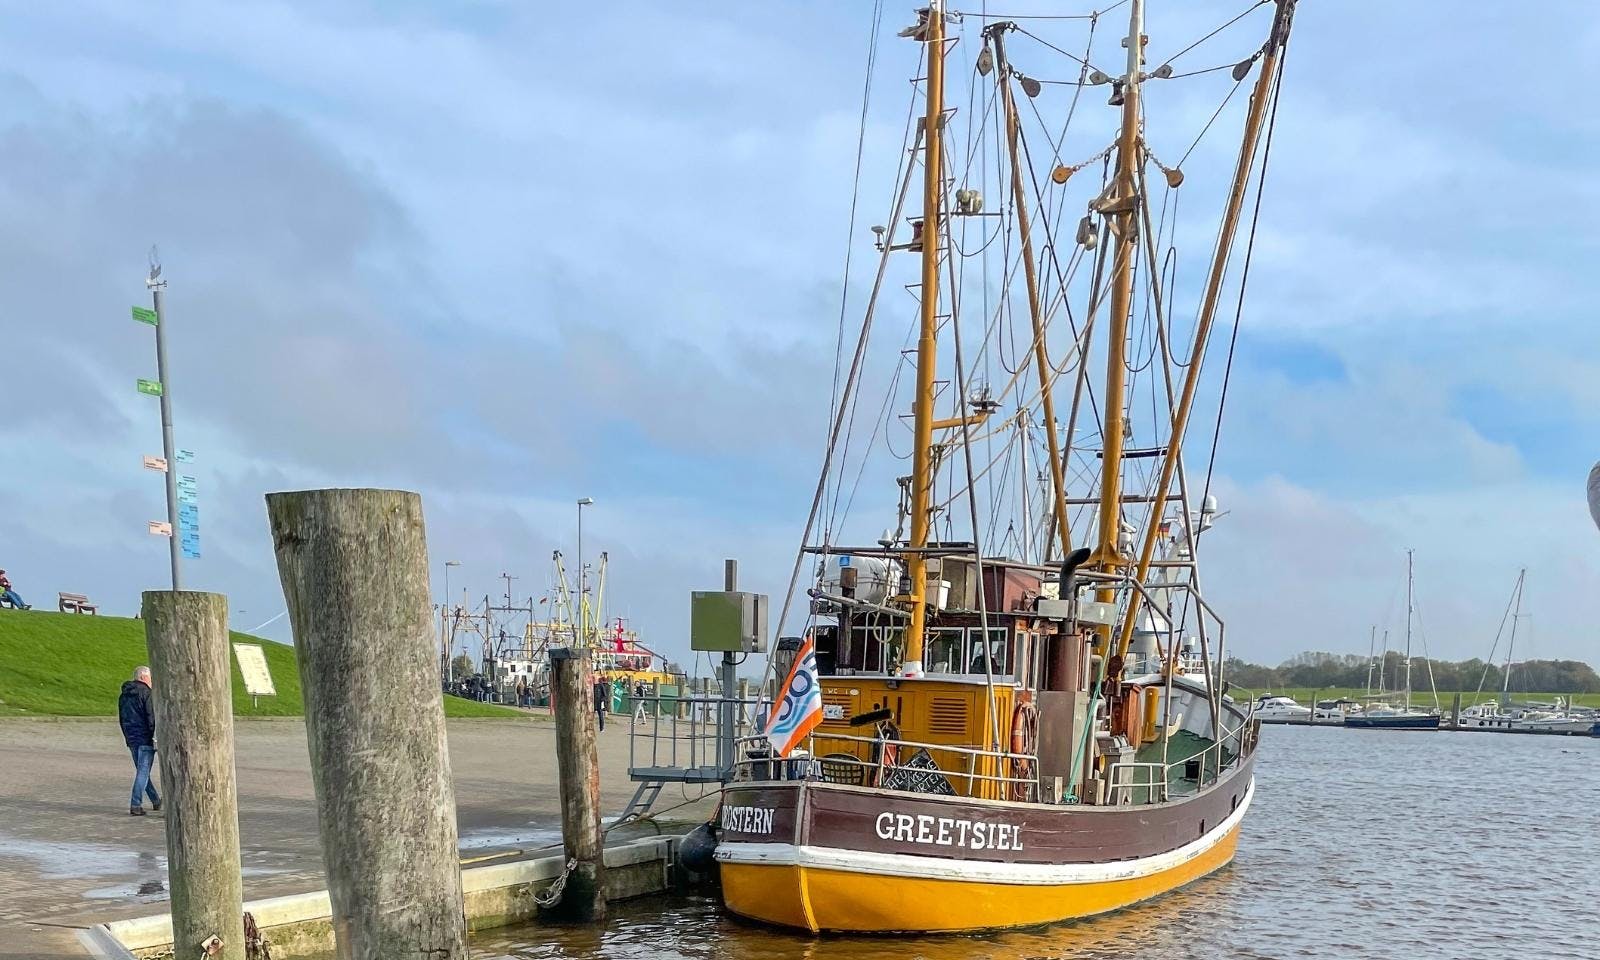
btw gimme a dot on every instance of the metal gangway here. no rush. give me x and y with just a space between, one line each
684 739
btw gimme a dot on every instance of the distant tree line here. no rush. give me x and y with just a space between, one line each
1318 670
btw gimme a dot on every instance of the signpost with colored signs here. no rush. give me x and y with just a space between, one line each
183 533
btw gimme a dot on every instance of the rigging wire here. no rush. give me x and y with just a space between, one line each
1071 56
1250 246
902 184
1203 130
851 380
850 234
1248 10
1030 16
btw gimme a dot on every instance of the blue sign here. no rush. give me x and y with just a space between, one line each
844 561
189 537
186 456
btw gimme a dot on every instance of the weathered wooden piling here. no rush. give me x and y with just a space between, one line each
355 577
578 767
187 637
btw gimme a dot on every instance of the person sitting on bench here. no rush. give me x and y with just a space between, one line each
9 595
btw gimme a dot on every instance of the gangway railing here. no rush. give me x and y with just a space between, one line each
683 739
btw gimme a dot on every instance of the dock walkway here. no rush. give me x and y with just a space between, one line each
70 855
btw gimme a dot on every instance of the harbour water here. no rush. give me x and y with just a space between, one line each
1358 844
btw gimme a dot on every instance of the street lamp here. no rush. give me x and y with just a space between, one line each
448 634
447 565
583 600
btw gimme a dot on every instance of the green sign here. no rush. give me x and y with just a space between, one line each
144 315
151 387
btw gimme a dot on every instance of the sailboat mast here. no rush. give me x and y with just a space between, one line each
927 338
1383 660
1409 608
1372 649
1123 225
1505 683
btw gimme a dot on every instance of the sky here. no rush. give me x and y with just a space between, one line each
509 257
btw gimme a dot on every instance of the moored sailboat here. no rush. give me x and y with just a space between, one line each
1011 739
1400 715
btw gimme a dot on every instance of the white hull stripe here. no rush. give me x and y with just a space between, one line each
975 871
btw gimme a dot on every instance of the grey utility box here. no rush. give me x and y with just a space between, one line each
728 621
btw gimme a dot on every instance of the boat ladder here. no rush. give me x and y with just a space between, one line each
643 799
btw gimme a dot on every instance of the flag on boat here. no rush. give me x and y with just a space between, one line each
800 709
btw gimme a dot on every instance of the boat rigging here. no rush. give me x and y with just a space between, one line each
1015 738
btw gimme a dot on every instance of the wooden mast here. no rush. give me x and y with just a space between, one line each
927 340
1208 308
1041 357
1121 208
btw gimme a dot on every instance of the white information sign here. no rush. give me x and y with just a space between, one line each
253 667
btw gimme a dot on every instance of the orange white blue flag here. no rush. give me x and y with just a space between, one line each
800 709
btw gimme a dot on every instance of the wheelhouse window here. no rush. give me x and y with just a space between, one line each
991 657
879 644
947 647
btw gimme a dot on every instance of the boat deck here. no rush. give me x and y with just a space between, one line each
1183 779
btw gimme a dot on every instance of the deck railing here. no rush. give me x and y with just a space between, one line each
679 738
1126 782
880 762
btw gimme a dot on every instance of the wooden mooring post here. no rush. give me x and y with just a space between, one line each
186 634
582 896
354 566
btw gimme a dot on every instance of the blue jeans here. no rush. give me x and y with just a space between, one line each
143 759
10 596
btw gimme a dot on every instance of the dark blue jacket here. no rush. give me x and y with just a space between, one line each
134 713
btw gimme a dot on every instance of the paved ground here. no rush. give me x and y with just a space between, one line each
70 855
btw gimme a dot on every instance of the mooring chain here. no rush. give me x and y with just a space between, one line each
552 896
255 945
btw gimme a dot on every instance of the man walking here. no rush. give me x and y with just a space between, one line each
602 701
139 730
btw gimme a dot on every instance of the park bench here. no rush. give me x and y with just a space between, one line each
75 603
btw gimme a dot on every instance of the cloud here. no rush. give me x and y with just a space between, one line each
509 260
1301 570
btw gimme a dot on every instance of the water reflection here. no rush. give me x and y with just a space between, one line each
1358 844
696 929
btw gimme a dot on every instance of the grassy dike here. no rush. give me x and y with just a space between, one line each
67 665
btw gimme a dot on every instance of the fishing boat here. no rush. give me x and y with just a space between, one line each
1009 709
1399 715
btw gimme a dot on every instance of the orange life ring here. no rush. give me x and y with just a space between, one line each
1024 741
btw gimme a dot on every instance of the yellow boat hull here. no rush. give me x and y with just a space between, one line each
844 859
817 898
